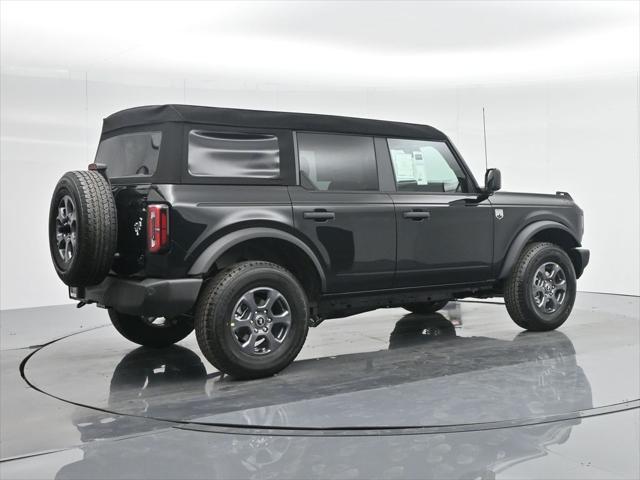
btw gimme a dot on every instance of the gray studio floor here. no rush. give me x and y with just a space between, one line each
461 394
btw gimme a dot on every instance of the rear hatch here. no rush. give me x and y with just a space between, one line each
131 160
131 205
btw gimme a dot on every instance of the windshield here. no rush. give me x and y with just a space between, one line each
131 154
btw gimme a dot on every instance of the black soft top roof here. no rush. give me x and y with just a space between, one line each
264 119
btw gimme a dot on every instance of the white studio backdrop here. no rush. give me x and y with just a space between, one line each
549 126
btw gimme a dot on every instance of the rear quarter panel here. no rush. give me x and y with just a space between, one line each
200 214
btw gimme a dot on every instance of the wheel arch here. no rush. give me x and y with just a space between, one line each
264 243
542 231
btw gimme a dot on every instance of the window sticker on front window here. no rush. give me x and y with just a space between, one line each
425 166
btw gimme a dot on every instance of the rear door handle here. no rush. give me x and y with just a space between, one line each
416 215
319 216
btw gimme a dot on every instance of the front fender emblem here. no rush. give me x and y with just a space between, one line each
499 213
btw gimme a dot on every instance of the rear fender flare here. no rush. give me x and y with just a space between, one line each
205 261
523 238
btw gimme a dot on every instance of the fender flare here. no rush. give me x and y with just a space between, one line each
521 239
206 259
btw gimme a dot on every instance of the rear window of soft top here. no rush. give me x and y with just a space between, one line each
130 154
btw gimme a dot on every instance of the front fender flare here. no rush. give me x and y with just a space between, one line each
523 237
205 261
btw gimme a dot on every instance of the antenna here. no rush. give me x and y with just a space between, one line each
484 130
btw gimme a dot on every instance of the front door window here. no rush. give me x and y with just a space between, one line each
425 166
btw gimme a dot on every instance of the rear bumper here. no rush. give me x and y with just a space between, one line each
580 257
154 297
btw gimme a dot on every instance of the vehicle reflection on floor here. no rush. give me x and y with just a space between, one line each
424 352
530 376
184 454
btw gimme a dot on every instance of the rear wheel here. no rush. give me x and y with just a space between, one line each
154 332
252 319
540 292
426 307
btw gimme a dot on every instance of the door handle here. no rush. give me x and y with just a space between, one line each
319 215
417 215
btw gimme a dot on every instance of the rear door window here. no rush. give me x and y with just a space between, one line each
337 162
130 154
233 155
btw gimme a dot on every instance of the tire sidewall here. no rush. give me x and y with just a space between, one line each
223 315
66 187
551 254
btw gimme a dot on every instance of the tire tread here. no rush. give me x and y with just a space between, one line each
97 228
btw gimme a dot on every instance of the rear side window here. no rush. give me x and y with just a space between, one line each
233 155
337 162
130 154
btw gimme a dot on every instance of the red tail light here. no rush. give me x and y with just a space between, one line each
157 228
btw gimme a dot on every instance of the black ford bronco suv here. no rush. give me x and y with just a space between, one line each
251 226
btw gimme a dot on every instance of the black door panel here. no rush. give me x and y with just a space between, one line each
442 239
355 233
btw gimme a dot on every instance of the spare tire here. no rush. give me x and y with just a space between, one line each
82 228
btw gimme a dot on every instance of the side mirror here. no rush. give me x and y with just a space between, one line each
492 180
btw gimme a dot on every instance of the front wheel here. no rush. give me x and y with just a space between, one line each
156 332
426 307
252 319
540 292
